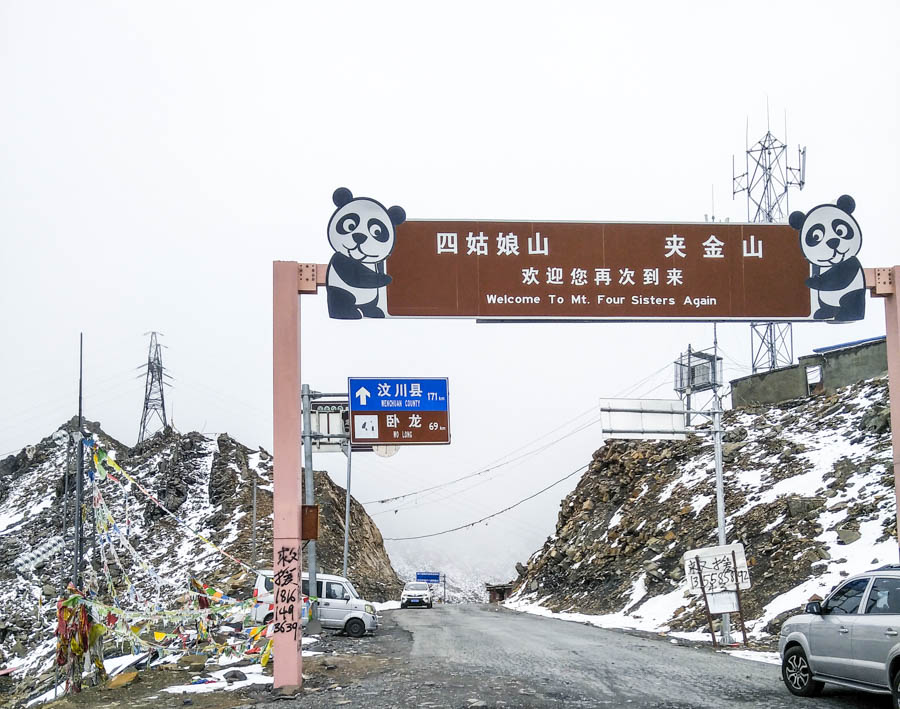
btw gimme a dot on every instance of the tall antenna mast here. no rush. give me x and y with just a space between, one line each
766 182
154 397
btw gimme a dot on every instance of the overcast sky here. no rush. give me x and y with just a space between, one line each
158 156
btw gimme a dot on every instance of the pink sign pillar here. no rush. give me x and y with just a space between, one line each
289 281
882 283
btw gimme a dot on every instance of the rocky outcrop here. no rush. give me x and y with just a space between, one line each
805 481
368 565
207 483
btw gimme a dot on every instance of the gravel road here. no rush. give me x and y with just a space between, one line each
479 655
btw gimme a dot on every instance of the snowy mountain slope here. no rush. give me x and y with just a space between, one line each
205 481
809 492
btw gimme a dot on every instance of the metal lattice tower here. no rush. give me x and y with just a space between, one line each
766 179
154 398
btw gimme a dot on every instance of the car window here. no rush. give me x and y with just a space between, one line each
304 588
884 596
335 591
270 583
847 598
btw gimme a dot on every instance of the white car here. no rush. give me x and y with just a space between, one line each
340 606
416 593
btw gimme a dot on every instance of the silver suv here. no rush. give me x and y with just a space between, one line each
850 639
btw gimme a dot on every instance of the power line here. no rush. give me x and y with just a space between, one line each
633 387
467 507
46 408
481 482
500 462
493 466
495 514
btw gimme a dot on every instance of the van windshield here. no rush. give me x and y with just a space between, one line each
351 589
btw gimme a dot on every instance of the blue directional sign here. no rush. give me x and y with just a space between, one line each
406 394
428 576
388 411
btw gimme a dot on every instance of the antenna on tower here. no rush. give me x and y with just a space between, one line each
766 181
154 397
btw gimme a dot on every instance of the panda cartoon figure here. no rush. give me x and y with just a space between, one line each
361 232
830 239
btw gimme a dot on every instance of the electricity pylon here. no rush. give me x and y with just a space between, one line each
154 397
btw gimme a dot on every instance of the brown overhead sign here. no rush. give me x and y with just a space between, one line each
617 271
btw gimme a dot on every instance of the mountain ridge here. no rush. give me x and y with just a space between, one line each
809 492
146 558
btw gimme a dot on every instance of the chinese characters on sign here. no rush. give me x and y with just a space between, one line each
597 271
288 604
399 411
717 567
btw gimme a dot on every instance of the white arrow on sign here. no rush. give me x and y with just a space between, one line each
363 394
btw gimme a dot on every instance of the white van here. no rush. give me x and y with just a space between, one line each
340 606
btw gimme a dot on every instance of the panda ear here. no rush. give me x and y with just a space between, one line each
796 220
341 197
846 203
397 215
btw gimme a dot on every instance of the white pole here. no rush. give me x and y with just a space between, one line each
313 626
720 480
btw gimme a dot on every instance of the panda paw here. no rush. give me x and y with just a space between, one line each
345 314
370 310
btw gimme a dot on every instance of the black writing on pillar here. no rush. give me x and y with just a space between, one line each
287 555
286 595
286 578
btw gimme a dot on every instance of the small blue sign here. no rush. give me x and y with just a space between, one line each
428 576
392 394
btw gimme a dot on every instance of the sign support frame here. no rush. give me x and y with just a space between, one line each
737 590
709 619
290 280
720 475
314 626
882 283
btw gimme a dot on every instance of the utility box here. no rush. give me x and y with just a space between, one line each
309 522
697 371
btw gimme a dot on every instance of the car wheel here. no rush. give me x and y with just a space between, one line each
429 605
403 605
355 628
796 674
895 689
269 618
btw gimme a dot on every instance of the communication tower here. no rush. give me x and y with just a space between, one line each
154 397
766 180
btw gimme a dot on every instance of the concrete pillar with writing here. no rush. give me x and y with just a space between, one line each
289 280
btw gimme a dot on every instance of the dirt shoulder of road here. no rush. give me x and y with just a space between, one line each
373 671
343 661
